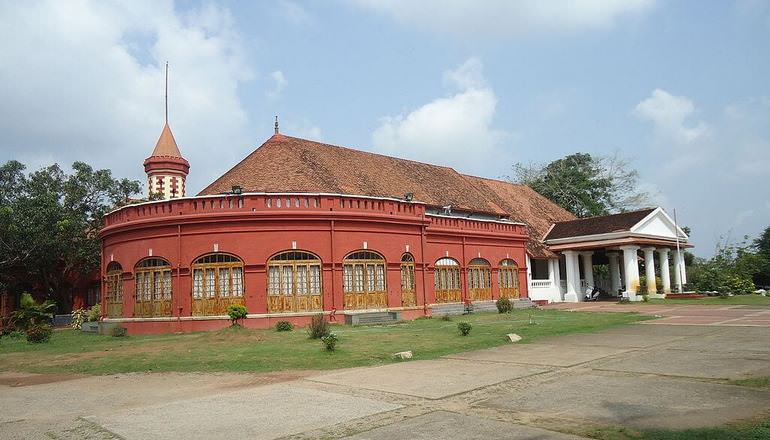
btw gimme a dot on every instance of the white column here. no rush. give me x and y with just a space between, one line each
573 276
557 278
649 270
665 276
529 273
614 272
588 269
554 292
678 270
631 265
684 268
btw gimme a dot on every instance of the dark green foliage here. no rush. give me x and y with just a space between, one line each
585 185
330 341
504 305
733 269
31 313
49 224
318 327
236 313
464 327
284 326
446 317
119 331
39 333
95 313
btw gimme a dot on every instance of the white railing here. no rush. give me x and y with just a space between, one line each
540 284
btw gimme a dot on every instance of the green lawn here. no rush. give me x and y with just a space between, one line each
240 349
747 300
754 382
744 431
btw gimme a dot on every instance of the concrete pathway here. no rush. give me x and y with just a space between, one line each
682 314
641 376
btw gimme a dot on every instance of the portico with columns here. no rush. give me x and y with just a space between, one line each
619 244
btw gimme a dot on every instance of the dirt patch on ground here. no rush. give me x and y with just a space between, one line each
256 379
27 379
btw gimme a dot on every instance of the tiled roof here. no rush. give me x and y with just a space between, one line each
527 206
166 145
598 225
288 164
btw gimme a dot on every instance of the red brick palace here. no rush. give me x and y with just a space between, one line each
300 227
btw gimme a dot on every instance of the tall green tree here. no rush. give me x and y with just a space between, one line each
762 243
49 225
585 185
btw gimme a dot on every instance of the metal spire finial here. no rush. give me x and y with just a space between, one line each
276 124
166 92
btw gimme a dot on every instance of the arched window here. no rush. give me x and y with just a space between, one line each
217 284
114 289
509 279
153 288
447 281
480 279
363 280
294 282
408 296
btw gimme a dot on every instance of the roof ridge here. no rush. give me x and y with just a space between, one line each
610 215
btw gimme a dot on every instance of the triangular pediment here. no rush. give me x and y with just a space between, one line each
658 224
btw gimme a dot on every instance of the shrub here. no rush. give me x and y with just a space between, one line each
330 341
15 334
95 313
284 326
31 314
79 316
318 327
645 298
504 305
738 285
446 317
119 331
39 333
464 327
236 312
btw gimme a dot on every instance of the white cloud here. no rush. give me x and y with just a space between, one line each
669 114
279 85
294 13
466 18
301 128
84 81
724 164
469 75
454 130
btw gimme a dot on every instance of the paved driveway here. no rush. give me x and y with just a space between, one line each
684 314
638 375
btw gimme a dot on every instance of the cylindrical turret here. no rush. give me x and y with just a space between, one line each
166 168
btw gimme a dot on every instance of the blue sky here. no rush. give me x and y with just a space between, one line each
679 88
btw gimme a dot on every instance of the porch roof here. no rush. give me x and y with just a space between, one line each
646 227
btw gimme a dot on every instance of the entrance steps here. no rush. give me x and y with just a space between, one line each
523 303
372 318
478 306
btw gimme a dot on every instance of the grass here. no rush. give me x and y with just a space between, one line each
241 349
754 382
746 300
743 431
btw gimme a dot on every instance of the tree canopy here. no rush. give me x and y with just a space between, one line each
49 225
585 185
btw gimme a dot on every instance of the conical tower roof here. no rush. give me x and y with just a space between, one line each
166 145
